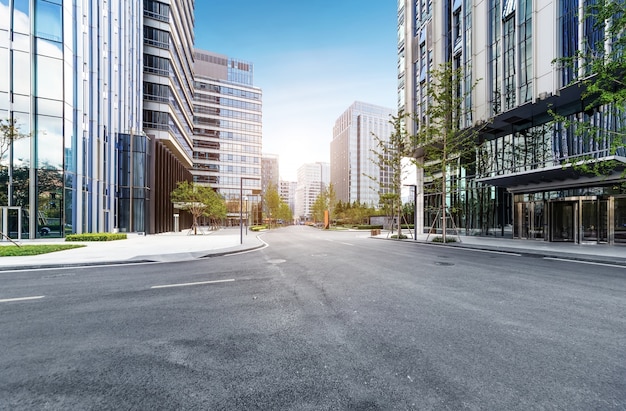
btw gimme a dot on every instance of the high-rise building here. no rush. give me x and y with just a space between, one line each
269 172
227 135
313 179
355 173
168 91
522 183
71 81
287 193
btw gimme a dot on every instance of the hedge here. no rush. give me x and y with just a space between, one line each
369 227
96 237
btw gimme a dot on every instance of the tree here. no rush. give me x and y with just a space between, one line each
319 206
599 68
197 199
9 133
388 157
284 212
216 208
271 201
445 145
331 201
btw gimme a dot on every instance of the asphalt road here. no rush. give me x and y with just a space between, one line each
317 321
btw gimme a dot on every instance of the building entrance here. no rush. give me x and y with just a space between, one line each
563 225
580 220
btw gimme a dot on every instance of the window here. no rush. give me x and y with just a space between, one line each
155 37
156 92
156 64
156 10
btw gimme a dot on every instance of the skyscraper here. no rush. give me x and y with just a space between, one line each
269 171
354 171
168 90
71 81
313 179
228 125
524 182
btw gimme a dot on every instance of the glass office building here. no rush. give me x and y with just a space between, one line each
523 182
357 133
70 80
228 130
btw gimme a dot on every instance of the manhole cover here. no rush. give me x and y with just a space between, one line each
443 263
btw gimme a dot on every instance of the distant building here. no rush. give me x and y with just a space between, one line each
269 172
313 178
354 173
287 193
227 133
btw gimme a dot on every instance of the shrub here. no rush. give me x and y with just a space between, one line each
448 240
96 237
258 227
402 236
369 227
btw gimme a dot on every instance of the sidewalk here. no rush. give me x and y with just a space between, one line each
166 247
597 253
170 247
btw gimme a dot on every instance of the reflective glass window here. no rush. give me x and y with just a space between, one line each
21 72
49 142
4 14
21 147
4 70
49 48
49 107
21 13
21 42
48 20
49 78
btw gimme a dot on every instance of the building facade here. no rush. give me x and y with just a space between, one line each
228 130
313 179
269 172
354 171
287 193
524 182
168 28
71 81
102 93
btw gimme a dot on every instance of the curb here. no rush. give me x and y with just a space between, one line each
141 260
585 258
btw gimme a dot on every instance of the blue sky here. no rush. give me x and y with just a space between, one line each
312 59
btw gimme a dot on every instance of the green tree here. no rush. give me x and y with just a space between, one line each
319 206
284 212
9 133
331 202
389 156
599 68
441 141
196 199
271 202
216 208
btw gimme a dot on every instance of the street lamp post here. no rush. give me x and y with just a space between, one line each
241 207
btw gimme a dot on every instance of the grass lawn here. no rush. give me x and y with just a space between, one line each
32 249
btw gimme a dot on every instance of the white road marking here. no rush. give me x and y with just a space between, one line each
340 242
196 283
583 262
10 300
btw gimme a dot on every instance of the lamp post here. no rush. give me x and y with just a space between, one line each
241 206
